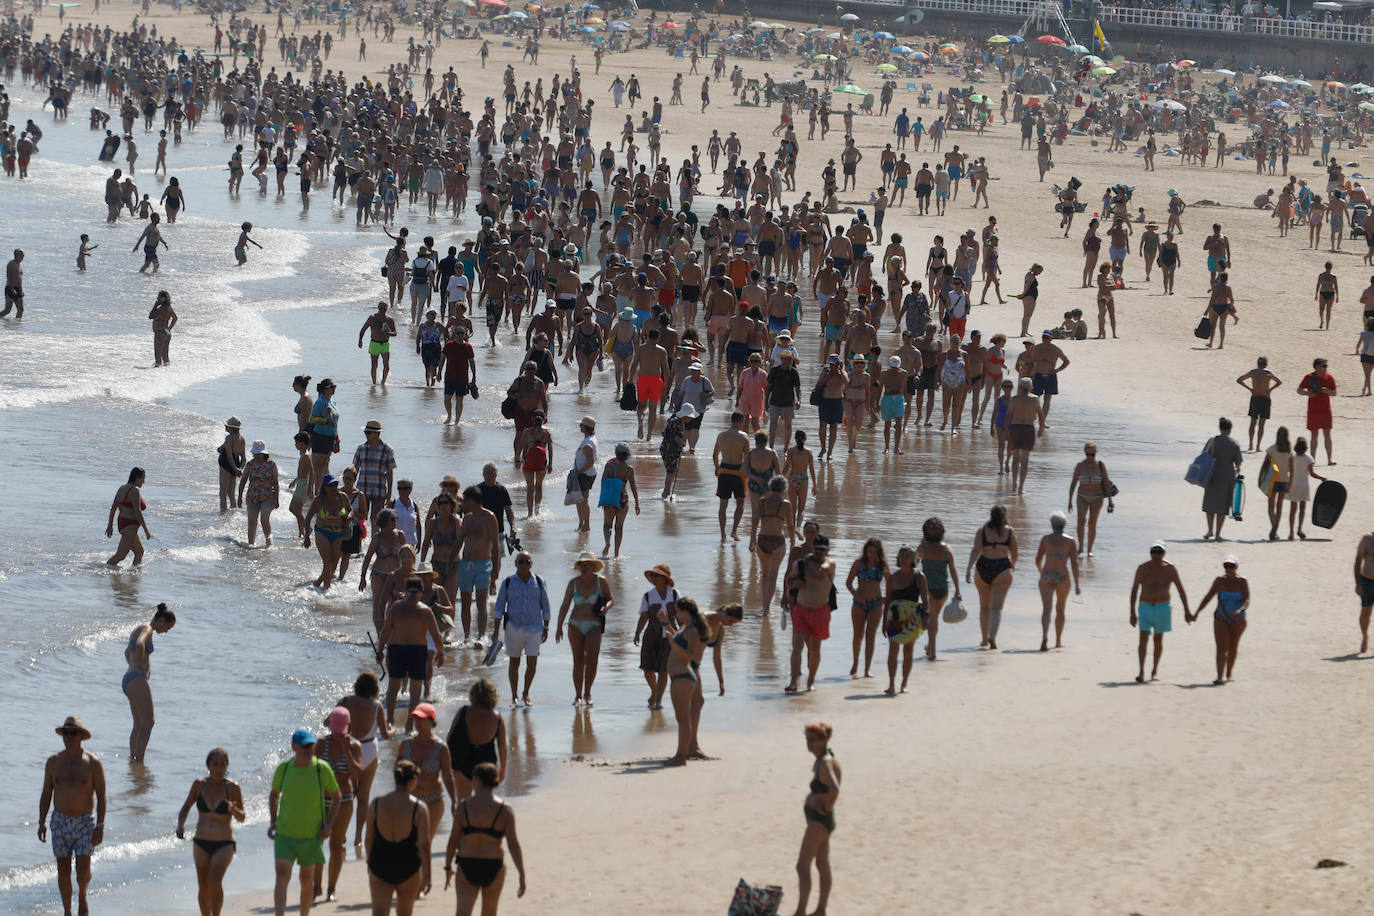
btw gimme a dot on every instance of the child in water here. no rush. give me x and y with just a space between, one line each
241 249
85 249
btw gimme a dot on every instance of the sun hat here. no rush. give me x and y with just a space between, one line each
339 718
372 426
694 367
589 421
587 557
303 737
258 447
660 570
73 723
424 569
233 423
686 410
894 361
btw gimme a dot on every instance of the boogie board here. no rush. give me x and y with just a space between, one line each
1238 499
1203 331
1327 504
1267 476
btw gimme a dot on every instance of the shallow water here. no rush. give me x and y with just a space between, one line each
257 652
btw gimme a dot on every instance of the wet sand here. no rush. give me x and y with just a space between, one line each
1010 780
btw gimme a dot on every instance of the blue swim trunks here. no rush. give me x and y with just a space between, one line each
474 576
1155 617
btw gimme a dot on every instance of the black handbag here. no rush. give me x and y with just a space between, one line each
816 395
508 407
629 397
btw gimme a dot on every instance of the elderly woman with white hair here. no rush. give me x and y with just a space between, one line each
1056 559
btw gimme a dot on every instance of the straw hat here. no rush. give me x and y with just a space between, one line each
233 423
660 570
588 557
74 722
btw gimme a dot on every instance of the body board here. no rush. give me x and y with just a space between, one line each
1238 499
1269 472
1327 504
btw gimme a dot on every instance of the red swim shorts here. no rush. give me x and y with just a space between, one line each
811 621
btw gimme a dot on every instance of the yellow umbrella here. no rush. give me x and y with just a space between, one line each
998 40
887 68
1103 71
825 57
1186 63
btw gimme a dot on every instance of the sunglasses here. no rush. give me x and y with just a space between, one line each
523 562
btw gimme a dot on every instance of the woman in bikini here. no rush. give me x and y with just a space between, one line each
799 467
535 445
773 528
819 809
441 532
218 802
1228 621
616 478
994 555
1314 221
1093 485
433 758
904 614
477 736
857 389
1106 301
1056 559
870 570
1092 247
367 723
756 477
398 867
937 566
331 515
385 546
994 367
352 545
689 632
344 754
480 824
136 685
126 510
588 597
1221 305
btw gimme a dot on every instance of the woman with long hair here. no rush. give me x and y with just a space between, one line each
937 565
687 644
772 529
384 549
1280 454
218 802
870 570
136 680
994 555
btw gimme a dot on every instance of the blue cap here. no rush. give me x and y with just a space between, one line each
329 480
303 737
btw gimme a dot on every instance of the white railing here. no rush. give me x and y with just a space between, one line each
1162 19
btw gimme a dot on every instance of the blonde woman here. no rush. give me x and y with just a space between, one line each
819 809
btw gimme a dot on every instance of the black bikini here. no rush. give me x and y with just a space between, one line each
213 846
480 871
466 754
990 568
394 861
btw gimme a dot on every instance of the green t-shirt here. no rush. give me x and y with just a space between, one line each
301 791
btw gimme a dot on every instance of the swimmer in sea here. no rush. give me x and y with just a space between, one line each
150 238
241 246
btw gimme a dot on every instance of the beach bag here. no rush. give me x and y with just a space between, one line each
508 407
1200 471
954 611
574 494
1203 331
629 397
751 900
817 395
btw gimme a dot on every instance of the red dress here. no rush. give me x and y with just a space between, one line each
1318 405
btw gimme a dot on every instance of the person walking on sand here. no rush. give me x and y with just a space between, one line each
213 843
522 602
136 680
1228 621
476 849
811 579
1261 384
1150 589
1318 386
1218 494
301 809
74 787
382 328
819 809
994 556
906 609
1364 588
398 867
1093 485
1056 559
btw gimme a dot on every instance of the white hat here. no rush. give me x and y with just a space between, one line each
258 447
895 362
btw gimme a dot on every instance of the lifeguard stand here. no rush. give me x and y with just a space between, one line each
1045 16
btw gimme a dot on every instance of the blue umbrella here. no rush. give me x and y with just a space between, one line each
1016 39
1077 49
587 30
1279 103
590 6
619 27
884 36
902 49
519 15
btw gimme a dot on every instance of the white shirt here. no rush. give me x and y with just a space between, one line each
405 520
458 287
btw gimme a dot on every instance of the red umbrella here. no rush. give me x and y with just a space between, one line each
1043 39
501 3
669 25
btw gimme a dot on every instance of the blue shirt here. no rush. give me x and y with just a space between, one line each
523 602
903 124
324 410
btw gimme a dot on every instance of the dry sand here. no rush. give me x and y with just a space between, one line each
1010 782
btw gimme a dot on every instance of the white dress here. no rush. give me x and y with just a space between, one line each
1298 490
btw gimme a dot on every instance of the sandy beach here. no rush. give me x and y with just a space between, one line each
1008 781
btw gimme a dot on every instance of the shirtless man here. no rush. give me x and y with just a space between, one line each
408 622
893 403
1025 423
1119 245
74 784
530 394
811 578
824 286
739 336
728 456
14 285
1364 587
721 306
1218 248
975 362
479 543
1153 580
382 328
1048 361
649 367
1261 384
925 183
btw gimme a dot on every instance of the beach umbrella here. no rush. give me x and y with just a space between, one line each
1362 88
1016 39
825 57
618 27
902 49
1186 63
1171 105
590 6
813 30
884 36
1077 49
670 24
999 40
1096 61
1335 84
1367 106
850 89
1304 84
947 50
1224 72
1280 104
834 35
587 30
920 56
502 4
1272 78
1104 71
759 24
1050 40
519 15
948 44
886 68
849 17
977 98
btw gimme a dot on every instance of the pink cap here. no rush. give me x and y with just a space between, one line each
339 719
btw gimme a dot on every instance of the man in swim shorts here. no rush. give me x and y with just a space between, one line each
732 445
1364 586
1153 613
811 579
382 328
479 539
1048 361
405 636
14 285
1025 421
1261 385
74 784
650 368
301 809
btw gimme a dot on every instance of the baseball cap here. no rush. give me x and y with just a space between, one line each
1230 560
1158 545
425 711
339 719
303 737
